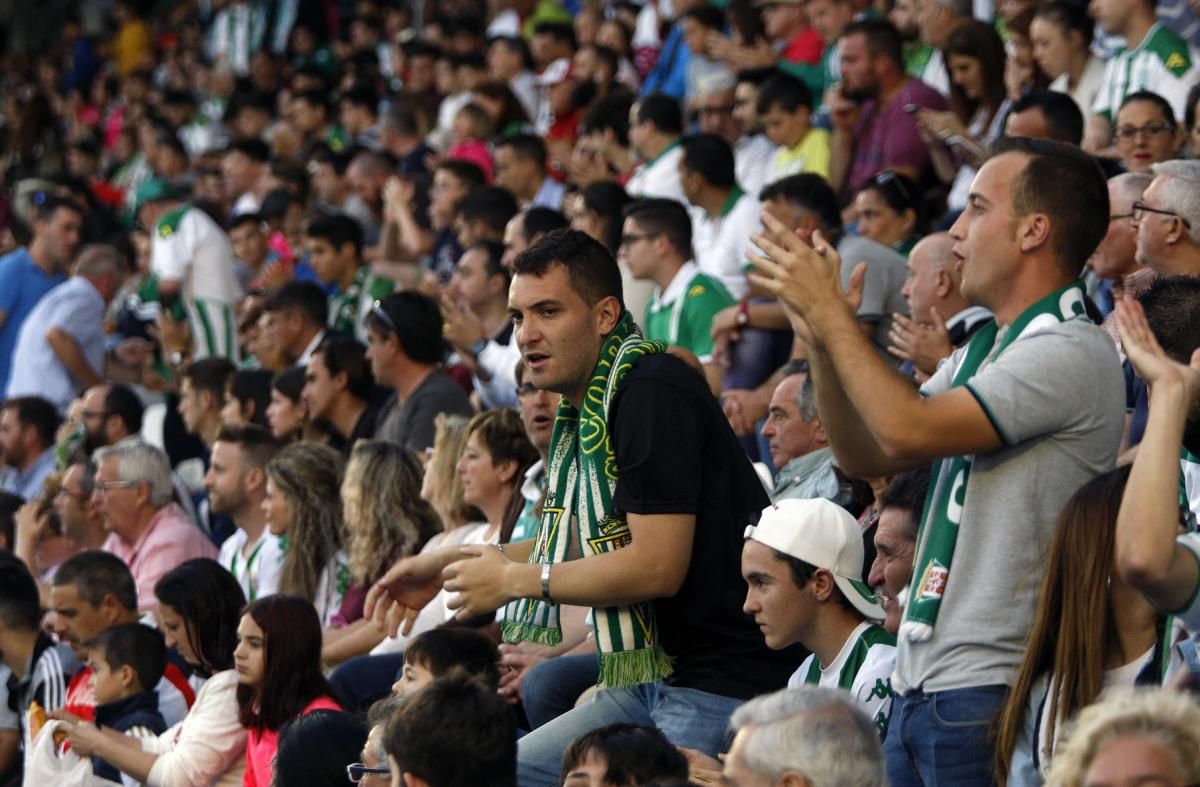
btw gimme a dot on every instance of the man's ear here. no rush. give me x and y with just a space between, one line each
209 402
111 608
943 283
256 478
1034 231
608 314
341 381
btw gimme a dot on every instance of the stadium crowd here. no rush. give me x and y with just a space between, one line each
597 392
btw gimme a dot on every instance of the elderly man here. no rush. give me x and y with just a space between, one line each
1167 220
900 509
147 530
798 446
1115 259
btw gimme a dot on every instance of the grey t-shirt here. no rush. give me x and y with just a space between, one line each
886 272
1056 398
410 423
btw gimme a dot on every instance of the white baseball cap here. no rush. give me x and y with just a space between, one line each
824 535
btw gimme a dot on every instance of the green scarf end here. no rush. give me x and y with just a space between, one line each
633 667
525 631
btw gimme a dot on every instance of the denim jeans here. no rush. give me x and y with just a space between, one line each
361 681
551 688
687 717
942 738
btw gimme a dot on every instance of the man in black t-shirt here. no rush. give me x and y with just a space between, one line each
683 486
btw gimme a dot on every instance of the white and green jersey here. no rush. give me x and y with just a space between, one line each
1161 63
1189 481
190 248
348 308
862 667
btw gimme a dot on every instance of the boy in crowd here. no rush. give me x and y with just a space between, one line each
436 653
127 662
785 106
334 245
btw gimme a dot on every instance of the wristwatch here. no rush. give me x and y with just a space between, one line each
478 346
743 315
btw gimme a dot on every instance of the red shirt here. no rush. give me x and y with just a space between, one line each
261 747
805 47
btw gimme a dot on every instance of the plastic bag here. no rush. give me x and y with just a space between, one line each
46 763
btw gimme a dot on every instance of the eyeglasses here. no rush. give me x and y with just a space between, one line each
630 239
1126 133
1140 209
723 109
887 177
378 311
104 487
356 772
1119 216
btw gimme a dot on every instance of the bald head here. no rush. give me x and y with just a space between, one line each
934 280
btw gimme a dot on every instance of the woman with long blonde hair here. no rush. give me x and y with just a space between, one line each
1091 631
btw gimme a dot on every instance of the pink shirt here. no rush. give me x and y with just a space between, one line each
260 747
170 539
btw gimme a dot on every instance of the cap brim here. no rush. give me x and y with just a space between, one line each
861 597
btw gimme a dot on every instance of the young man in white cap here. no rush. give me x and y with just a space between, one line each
803 567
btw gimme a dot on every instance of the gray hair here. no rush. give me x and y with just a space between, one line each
99 259
1181 190
715 82
960 8
1132 184
816 732
142 462
806 400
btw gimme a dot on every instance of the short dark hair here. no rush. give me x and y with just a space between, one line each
289 382
663 111
632 753
493 251
276 204
538 221
517 45
609 113
361 96
210 375
314 748
133 645
253 385
492 205
36 412
453 732
466 171
241 219
802 573
345 354
528 147
1148 97
785 91
591 269
20 605
882 38
417 322
810 192
906 492
314 98
441 650
1066 184
338 229
301 297
50 205
563 32
660 216
258 445
706 16
711 157
1172 305
210 600
96 573
1064 121
254 149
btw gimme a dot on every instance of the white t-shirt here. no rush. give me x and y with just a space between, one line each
659 177
721 242
331 588
862 667
1162 63
257 571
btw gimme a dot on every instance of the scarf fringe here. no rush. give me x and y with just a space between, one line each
634 667
525 631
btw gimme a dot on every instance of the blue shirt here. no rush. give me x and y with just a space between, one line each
669 74
22 285
75 307
28 484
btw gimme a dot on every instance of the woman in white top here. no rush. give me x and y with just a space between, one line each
1091 631
1062 40
303 504
200 604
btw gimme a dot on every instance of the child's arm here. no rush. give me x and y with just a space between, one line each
123 752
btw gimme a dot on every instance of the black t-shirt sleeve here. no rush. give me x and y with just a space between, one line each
658 443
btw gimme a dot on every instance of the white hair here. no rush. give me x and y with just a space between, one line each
1181 190
1132 184
139 461
715 82
816 732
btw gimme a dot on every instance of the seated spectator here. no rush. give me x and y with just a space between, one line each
127 661
287 415
527 228
803 566
246 398
1062 37
891 210
655 124
900 508
469 132
339 390
1115 259
202 395
302 503
38 669
296 315
785 109
797 443
452 180
111 412
147 529
482 215
199 605
94 591
455 731
315 750
477 326
1147 734
698 24
253 257
278 662
521 162
621 755
1168 220
439 652
1146 131
372 770
1045 114
27 427
335 247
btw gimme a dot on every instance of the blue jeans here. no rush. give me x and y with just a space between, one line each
687 717
942 738
361 681
551 688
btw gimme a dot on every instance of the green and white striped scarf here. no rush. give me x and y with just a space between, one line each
947 494
582 480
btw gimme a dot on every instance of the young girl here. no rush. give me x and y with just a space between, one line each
302 502
278 662
470 130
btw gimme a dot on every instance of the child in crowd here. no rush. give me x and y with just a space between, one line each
437 652
127 662
785 106
278 661
622 755
471 129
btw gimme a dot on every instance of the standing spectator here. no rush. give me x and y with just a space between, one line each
655 123
146 528
335 249
1053 441
60 349
31 271
339 390
669 74
1062 38
27 427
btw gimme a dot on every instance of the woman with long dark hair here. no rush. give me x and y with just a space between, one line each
278 662
199 603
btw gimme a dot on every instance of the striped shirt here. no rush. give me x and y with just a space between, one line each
862 667
1162 63
46 676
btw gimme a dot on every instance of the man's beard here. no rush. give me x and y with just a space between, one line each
860 94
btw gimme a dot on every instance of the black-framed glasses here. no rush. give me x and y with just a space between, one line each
356 772
1140 209
377 310
1119 216
1127 133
